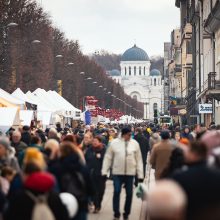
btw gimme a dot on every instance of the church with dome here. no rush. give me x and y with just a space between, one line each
139 82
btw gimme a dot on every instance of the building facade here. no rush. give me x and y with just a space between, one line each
167 59
200 24
139 82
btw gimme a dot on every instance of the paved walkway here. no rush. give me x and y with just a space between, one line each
107 214
138 207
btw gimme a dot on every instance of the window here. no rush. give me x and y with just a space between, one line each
155 82
139 70
129 70
155 106
135 97
144 70
125 71
135 70
155 110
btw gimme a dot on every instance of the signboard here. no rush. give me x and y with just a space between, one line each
182 111
205 108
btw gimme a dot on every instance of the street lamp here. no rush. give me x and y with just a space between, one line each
12 24
82 73
59 56
36 42
70 64
94 82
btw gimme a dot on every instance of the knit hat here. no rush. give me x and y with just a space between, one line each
34 156
184 141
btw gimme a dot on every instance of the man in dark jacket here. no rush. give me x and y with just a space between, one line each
17 143
201 184
144 146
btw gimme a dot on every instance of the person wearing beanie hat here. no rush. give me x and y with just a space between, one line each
37 185
161 153
7 159
124 157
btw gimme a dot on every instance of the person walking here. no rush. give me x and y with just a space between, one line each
161 153
17 143
144 146
94 160
124 157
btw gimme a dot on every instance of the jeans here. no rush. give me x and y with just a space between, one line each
118 181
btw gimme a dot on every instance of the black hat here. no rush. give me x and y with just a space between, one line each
125 130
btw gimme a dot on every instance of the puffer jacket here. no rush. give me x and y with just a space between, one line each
124 158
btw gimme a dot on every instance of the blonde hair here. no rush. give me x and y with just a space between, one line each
53 146
34 156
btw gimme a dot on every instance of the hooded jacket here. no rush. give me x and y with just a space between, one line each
124 158
21 206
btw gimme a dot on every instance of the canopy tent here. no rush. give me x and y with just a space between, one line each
5 103
8 117
44 111
6 97
68 109
22 96
26 116
57 104
42 105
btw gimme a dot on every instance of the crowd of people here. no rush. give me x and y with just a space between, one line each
187 174
41 170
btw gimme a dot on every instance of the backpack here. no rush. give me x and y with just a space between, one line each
41 209
74 184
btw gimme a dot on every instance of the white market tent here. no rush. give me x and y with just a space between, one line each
68 110
18 93
26 116
50 105
13 100
57 103
8 117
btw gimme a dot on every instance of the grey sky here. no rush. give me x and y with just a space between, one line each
114 25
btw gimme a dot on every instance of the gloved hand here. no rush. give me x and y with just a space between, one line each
104 177
140 180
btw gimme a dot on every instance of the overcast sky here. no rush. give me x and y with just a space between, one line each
115 25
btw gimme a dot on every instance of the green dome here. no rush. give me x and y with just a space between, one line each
155 72
135 54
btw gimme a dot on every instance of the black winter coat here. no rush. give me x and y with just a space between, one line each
94 160
71 164
144 145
